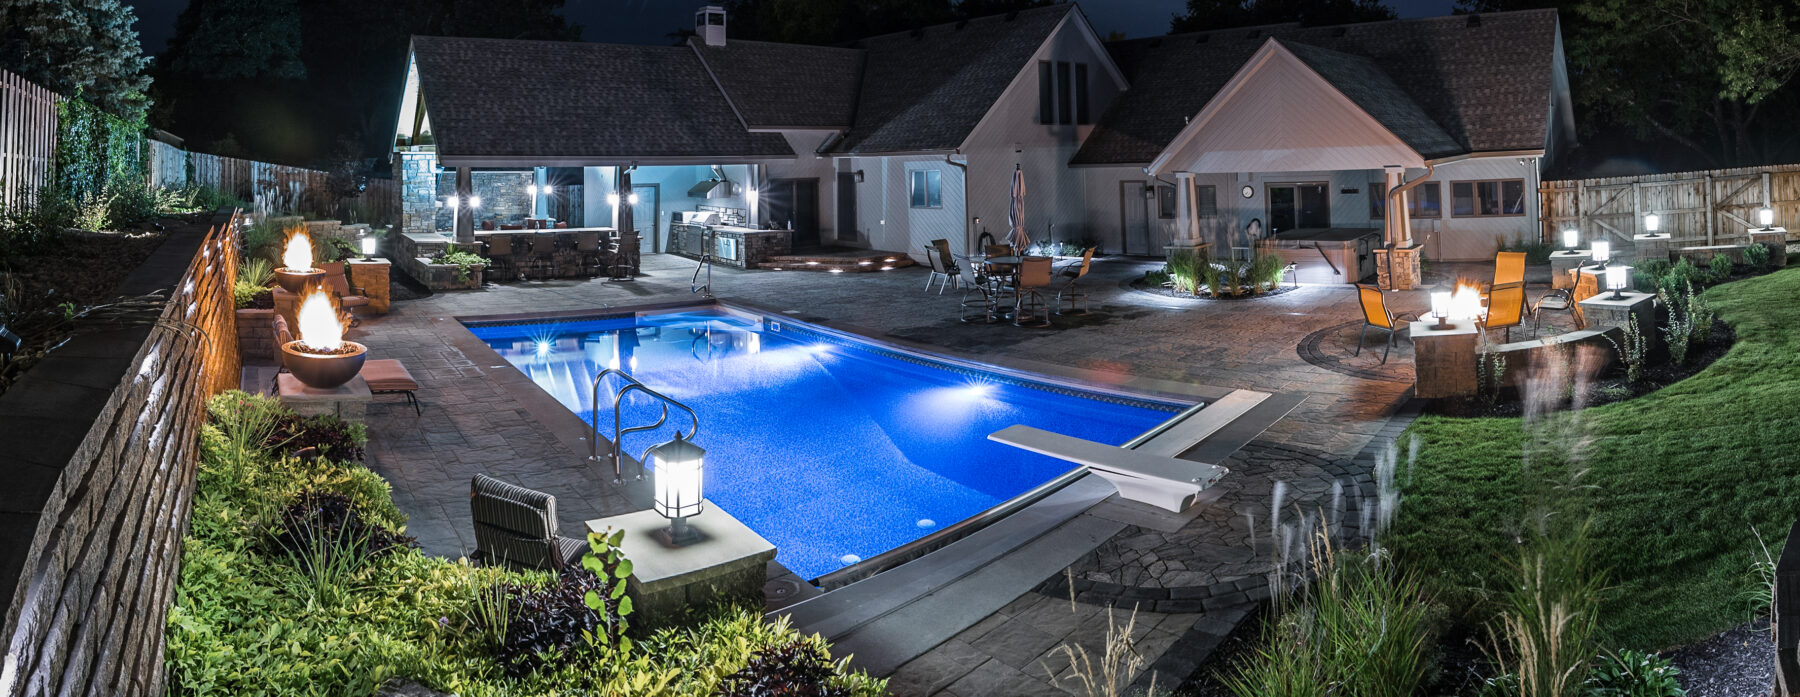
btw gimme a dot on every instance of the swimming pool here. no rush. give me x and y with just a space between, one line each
833 448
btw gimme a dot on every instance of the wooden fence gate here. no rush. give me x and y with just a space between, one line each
1697 208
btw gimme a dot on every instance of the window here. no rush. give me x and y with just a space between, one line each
1165 202
927 188
1481 199
1423 201
1064 114
1206 201
1046 94
1081 94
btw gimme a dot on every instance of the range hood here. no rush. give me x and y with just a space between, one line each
710 188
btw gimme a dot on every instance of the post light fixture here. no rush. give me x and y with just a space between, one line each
9 344
1571 239
1652 222
1602 251
368 247
1616 279
1440 308
1766 216
680 485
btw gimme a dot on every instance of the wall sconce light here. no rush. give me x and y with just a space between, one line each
1767 217
612 198
680 485
451 201
1602 251
1440 308
859 176
751 195
532 189
1150 193
632 198
1615 281
474 202
1652 222
1571 239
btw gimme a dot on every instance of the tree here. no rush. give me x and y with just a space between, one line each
84 49
233 39
825 22
1224 14
1697 72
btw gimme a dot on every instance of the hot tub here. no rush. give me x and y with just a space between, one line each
1329 255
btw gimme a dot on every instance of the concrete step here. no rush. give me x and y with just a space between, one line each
864 262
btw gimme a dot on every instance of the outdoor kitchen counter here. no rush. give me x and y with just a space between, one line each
742 247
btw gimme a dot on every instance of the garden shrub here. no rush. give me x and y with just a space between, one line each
326 434
794 669
1184 268
93 210
1535 252
465 261
132 202
330 522
1684 273
1757 256
1719 268
1631 673
336 249
241 625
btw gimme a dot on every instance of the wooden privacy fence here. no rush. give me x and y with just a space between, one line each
1696 208
271 187
27 139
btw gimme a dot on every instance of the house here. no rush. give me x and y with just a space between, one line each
892 141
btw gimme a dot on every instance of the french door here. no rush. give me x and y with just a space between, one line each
1299 205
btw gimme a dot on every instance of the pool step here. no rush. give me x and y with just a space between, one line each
867 261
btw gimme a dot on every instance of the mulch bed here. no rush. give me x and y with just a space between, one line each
41 292
1608 387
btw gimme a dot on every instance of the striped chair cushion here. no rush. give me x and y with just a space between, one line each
388 375
516 524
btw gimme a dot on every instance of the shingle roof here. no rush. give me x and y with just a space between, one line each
927 89
496 97
1361 80
1484 82
786 85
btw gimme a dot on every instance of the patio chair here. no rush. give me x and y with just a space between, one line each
349 297
1029 301
1506 308
939 272
1071 293
1376 314
515 525
1509 267
999 250
978 292
499 252
949 259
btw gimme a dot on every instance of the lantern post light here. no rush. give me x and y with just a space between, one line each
1615 281
368 247
680 485
1571 239
1602 251
1440 308
1767 218
1652 222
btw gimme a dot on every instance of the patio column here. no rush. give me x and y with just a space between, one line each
464 216
1397 220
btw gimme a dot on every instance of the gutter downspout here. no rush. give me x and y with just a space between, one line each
1393 196
968 221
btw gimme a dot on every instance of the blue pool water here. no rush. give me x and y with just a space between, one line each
834 450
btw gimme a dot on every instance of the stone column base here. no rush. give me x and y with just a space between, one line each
372 277
1444 359
1648 248
1563 265
1776 240
1405 271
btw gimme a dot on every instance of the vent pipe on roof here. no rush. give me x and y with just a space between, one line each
709 25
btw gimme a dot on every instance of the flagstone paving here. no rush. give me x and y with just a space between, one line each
479 417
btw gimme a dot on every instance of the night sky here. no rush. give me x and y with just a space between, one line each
649 21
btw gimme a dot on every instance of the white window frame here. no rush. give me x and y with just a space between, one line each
923 178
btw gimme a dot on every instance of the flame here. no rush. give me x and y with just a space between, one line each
1465 303
298 256
320 327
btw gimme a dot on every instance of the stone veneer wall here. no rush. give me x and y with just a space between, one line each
504 199
98 443
417 174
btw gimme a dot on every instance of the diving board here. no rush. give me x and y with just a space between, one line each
1155 479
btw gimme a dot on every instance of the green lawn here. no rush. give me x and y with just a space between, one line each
1674 481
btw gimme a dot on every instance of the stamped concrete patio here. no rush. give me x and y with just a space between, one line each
1190 578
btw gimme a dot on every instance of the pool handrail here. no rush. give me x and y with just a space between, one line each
619 432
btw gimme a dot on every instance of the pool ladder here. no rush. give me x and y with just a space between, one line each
619 431
706 263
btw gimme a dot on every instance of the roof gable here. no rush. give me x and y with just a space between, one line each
1278 114
493 99
926 90
1484 82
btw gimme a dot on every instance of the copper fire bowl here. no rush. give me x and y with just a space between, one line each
297 282
320 371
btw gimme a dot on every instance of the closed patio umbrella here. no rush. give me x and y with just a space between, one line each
1015 215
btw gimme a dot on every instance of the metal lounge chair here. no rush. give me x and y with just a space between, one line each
1071 293
1376 314
1506 308
939 273
978 293
515 525
1030 307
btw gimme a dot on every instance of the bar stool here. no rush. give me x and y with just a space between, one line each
499 252
543 255
587 244
624 261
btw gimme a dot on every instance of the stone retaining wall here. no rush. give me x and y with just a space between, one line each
98 443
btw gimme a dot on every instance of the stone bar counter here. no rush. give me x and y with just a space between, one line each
741 247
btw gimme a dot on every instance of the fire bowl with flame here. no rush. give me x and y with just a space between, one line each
297 272
321 358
